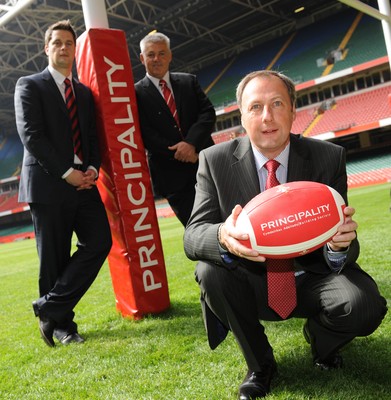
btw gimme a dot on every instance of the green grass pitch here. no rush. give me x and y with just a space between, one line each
166 356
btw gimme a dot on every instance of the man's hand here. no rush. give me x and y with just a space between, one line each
230 236
81 180
346 232
184 152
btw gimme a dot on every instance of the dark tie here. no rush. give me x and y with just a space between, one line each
280 274
169 100
70 103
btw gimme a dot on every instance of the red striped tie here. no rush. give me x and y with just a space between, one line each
280 274
70 103
169 100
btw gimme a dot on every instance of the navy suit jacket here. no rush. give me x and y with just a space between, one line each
44 127
159 130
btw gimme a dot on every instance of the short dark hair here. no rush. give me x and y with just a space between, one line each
265 73
64 25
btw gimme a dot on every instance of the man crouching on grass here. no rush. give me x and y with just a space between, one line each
337 298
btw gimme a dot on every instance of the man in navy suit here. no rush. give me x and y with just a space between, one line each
59 186
338 299
172 144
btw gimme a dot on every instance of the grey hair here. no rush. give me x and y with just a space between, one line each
265 73
155 37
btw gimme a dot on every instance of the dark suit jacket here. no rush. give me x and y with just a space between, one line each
159 130
44 127
227 176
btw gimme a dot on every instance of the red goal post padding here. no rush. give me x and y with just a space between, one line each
136 259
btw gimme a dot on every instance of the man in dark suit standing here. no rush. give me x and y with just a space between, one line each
338 299
176 121
56 122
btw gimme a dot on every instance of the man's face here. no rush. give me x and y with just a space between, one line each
156 58
267 114
61 50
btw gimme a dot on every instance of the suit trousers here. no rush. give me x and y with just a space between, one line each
64 277
182 202
338 307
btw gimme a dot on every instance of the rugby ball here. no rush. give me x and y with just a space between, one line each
291 219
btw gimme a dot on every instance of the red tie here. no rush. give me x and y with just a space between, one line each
70 103
169 100
280 274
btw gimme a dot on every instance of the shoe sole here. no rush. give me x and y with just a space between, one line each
48 341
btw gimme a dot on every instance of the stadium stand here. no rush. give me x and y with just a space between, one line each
367 43
314 43
343 78
9 201
223 92
304 117
361 108
308 47
11 149
369 170
16 233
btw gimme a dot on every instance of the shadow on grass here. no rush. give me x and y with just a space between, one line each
366 373
181 319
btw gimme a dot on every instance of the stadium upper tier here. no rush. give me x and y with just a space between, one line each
364 109
331 45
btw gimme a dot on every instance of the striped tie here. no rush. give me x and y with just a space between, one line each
169 100
280 274
70 103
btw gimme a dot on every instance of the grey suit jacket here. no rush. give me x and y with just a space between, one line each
227 176
44 127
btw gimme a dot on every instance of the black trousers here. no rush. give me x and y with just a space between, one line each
339 307
182 202
64 277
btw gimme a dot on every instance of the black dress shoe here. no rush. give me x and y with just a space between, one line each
334 361
46 326
72 338
256 384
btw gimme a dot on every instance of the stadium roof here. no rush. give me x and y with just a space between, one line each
202 32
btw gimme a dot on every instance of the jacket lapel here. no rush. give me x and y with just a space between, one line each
177 90
53 88
152 91
299 164
245 170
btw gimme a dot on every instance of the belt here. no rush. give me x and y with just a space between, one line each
79 167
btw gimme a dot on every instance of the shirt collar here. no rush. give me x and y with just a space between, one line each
156 81
58 76
261 160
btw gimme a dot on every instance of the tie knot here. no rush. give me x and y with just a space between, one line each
162 83
272 166
67 82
